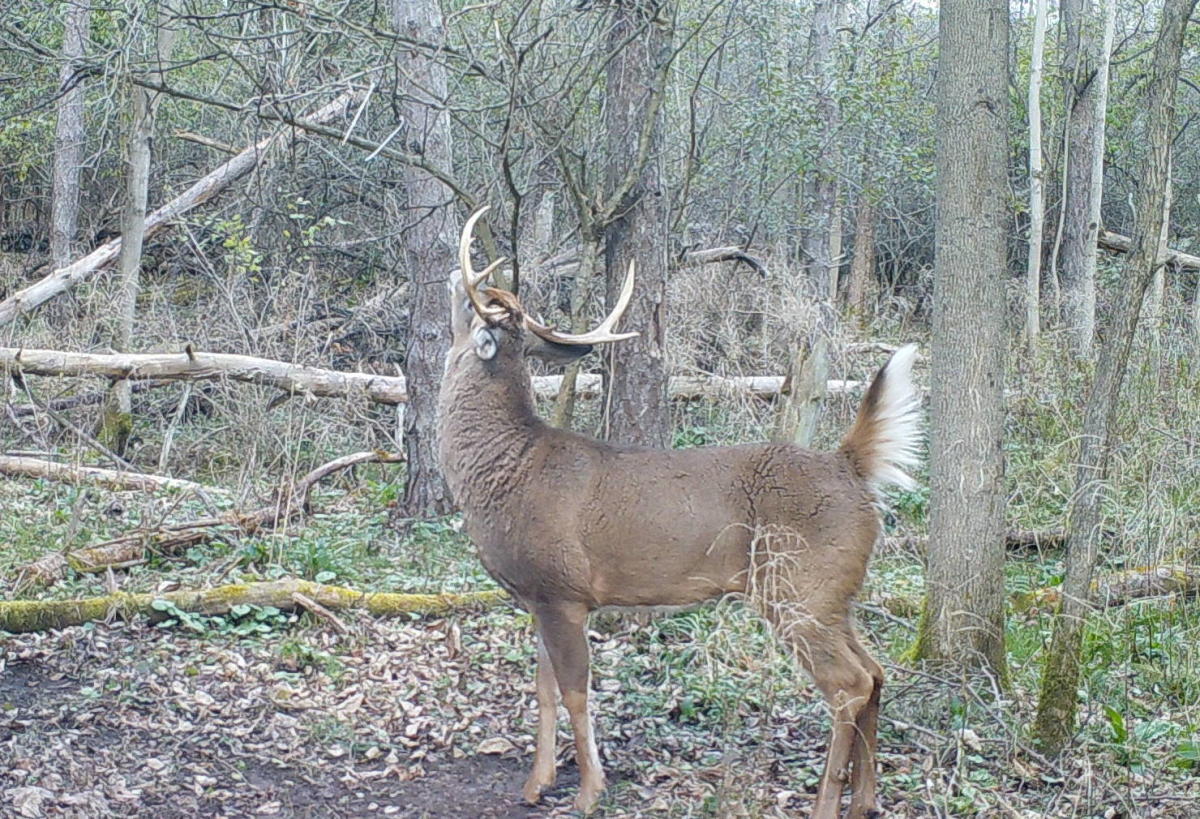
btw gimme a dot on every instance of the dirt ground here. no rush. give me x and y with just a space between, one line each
137 721
434 718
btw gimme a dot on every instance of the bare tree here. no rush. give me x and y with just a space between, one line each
117 420
1037 206
637 410
963 620
69 135
1055 721
430 242
820 202
1088 34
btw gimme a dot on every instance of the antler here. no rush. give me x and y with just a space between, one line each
470 278
603 334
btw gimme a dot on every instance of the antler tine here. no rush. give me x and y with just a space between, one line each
471 279
603 334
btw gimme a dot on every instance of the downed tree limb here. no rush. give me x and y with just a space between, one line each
200 192
87 399
299 379
1109 591
20 616
1122 587
733 253
295 379
27 467
1018 540
291 502
1115 242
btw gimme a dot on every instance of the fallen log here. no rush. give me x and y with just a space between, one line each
294 379
1121 587
299 379
1014 541
26 467
1115 242
200 192
20 616
173 539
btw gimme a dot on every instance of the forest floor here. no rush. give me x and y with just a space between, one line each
274 713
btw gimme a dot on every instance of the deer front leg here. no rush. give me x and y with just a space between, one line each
541 778
564 634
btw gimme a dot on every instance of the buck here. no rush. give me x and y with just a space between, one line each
568 525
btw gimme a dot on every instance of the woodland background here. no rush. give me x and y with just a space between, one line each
802 185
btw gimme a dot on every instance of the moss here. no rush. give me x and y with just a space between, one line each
115 429
37 615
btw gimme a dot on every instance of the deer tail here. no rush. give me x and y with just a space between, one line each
884 442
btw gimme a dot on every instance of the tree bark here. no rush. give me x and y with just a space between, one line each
1088 33
1037 206
963 620
204 189
116 418
69 135
636 410
1152 310
820 188
430 253
862 267
1055 721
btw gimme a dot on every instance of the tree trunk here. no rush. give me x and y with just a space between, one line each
822 235
1088 29
963 620
820 190
69 136
1037 206
1152 311
430 253
636 410
862 268
116 422
1055 722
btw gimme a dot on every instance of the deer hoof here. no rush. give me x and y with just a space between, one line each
535 786
588 798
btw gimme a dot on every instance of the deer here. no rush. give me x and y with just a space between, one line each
568 525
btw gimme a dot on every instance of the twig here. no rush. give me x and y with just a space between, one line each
319 610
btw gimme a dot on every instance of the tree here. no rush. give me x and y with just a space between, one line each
116 422
1088 34
963 618
809 369
1055 720
637 410
430 243
69 136
1037 207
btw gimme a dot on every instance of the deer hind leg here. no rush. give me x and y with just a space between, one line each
564 634
541 778
848 687
862 758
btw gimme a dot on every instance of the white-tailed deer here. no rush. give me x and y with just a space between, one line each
568 524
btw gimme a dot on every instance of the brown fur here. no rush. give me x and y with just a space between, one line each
569 524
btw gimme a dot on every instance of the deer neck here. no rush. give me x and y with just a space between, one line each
487 424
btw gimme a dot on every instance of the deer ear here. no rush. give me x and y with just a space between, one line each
484 339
